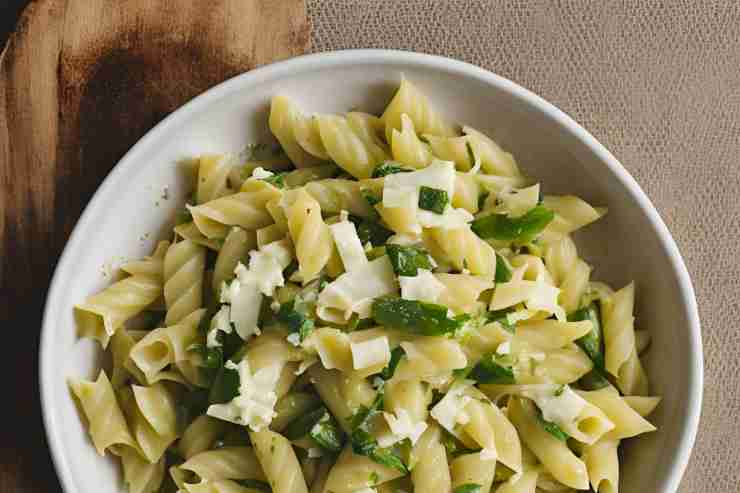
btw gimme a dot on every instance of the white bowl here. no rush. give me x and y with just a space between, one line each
127 215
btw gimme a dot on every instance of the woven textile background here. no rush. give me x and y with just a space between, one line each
658 83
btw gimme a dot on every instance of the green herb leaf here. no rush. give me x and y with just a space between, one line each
301 426
255 484
371 197
192 405
357 323
489 370
225 386
415 316
482 200
521 229
294 320
468 488
388 371
183 216
552 428
326 433
503 273
407 260
501 316
276 180
371 231
594 380
591 343
433 199
213 357
389 168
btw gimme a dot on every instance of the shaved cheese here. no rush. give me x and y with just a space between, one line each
561 406
355 291
261 173
450 411
451 218
369 353
536 295
402 427
488 454
439 175
349 245
245 309
221 322
516 203
423 286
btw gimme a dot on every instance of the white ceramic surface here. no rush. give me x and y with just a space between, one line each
127 215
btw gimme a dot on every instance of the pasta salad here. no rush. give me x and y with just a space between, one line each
375 304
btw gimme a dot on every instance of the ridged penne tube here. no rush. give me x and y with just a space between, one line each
184 265
213 174
643 405
411 396
352 472
453 149
570 273
335 195
140 475
106 423
406 146
311 237
602 463
524 483
486 339
151 443
158 406
245 209
553 453
467 192
291 406
200 435
101 314
342 395
462 291
429 358
642 341
235 248
466 250
348 143
558 366
494 160
478 430
278 461
294 131
473 469
431 471
627 422
571 213
189 231
225 463
120 346
410 101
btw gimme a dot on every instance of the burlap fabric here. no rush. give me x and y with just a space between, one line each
658 83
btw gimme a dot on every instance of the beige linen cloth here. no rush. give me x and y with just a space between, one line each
658 83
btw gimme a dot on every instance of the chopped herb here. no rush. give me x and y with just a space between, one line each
594 380
503 273
521 229
213 357
468 488
225 386
407 260
290 269
375 252
462 373
454 447
415 316
192 405
371 231
371 197
205 324
357 323
389 168
433 199
482 200
323 282
374 478
396 355
183 216
276 180
255 484
424 139
490 370
552 428
560 391
591 343
326 433
501 316
294 319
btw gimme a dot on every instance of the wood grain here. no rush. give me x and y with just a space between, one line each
80 82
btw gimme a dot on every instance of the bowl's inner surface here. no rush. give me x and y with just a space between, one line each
129 215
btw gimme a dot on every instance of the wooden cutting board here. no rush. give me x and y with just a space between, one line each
80 82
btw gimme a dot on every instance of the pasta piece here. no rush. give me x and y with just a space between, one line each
140 475
401 220
184 265
549 334
213 174
120 346
335 195
410 396
342 395
151 443
219 486
319 482
644 406
462 291
101 314
310 235
642 341
245 209
304 176
603 465
467 192
189 231
353 472
225 463
200 435
279 462
571 213
524 483
430 359
406 146
478 430
553 453
465 250
157 405
297 134
235 248
570 273
619 342
627 422
431 471
106 424
349 143
494 160
455 149
486 339
290 407
410 101
271 348
473 469
561 366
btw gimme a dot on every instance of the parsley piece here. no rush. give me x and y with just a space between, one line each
415 316
255 484
294 319
552 428
490 370
468 488
396 355
501 316
591 343
503 273
225 386
371 231
213 357
433 199
371 197
520 229
389 168
277 180
407 260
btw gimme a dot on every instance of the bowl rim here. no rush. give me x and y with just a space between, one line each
348 58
